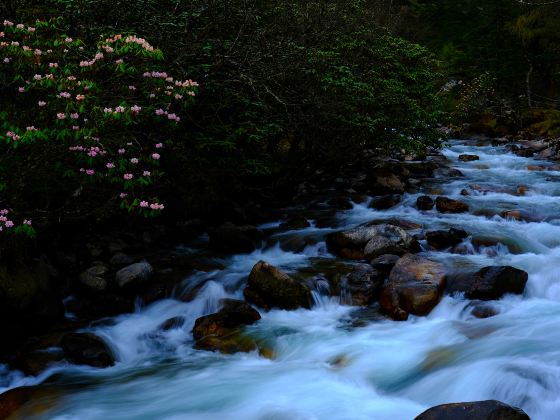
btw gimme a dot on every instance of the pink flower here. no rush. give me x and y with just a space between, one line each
132 87
134 160
119 61
108 110
99 56
146 173
123 195
60 116
9 224
110 165
27 222
74 115
53 65
80 97
177 96
68 39
90 172
21 89
31 128
20 26
121 151
41 103
144 204
156 156
135 109
7 60
75 127
128 176
8 23
37 77
160 111
119 109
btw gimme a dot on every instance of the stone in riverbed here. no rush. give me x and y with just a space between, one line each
442 239
491 283
87 349
26 402
95 277
468 158
448 205
425 202
385 202
268 287
295 222
221 330
384 181
369 241
361 286
414 286
476 410
234 239
384 263
134 274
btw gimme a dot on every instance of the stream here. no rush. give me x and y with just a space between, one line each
326 364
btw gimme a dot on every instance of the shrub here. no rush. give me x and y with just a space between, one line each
82 128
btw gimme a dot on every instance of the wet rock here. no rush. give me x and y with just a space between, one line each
220 331
443 239
172 323
96 306
87 349
414 286
547 153
134 274
448 173
516 215
490 283
340 203
295 222
425 202
26 402
383 181
476 410
36 361
361 286
465 192
268 287
447 205
468 158
385 202
384 263
230 238
95 277
121 259
369 241
483 311
296 243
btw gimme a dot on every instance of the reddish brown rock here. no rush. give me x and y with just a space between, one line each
447 205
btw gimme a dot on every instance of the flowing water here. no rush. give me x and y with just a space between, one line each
325 367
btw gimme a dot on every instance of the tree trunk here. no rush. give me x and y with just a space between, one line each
528 84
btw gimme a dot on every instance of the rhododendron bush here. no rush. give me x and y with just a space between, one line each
83 124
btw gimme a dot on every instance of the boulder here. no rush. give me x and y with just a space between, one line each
384 181
361 286
385 202
230 238
475 410
340 203
220 331
369 241
490 283
172 323
26 402
443 239
468 158
268 287
134 274
87 349
295 222
425 202
447 205
120 260
384 263
95 277
414 286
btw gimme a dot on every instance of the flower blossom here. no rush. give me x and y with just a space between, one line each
128 176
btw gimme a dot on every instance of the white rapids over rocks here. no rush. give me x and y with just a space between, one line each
326 369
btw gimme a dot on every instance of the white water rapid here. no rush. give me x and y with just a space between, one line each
324 366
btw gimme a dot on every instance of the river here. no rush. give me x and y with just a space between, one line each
328 366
